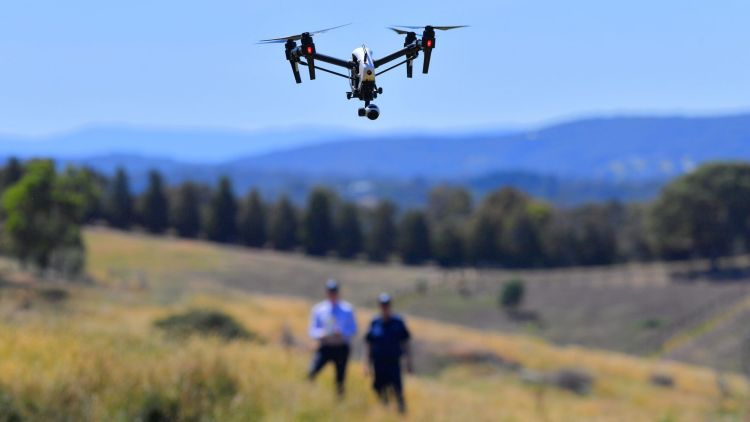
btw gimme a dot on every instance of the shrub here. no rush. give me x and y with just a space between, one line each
662 380
158 408
512 294
204 322
575 380
8 409
53 295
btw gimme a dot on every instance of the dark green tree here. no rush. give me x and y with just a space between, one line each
11 173
43 217
488 239
381 239
559 243
221 224
318 223
119 201
483 240
595 235
283 226
449 247
522 235
186 213
91 186
447 203
252 221
414 238
155 205
505 201
633 240
349 232
704 213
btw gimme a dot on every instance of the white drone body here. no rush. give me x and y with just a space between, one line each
362 67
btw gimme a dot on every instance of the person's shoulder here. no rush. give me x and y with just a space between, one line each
346 306
320 305
398 318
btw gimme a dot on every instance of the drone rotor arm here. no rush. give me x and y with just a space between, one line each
333 60
410 50
326 70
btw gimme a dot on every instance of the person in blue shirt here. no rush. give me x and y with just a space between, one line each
387 343
332 325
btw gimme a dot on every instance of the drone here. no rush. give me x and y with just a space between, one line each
363 66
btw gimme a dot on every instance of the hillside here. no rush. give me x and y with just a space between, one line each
103 359
643 309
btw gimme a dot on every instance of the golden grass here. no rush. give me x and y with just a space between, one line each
97 356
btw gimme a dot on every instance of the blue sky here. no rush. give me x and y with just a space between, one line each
68 64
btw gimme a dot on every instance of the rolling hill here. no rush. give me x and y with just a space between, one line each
187 145
643 309
638 148
93 352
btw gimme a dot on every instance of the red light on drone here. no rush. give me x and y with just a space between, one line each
309 49
429 43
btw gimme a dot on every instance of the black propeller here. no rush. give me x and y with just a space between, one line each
442 28
308 49
298 36
427 43
400 31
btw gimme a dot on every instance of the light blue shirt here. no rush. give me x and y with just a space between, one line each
328 318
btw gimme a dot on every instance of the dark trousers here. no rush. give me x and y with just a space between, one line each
339 355
388 378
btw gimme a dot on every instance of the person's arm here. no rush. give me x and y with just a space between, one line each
368 351
316 329
349 325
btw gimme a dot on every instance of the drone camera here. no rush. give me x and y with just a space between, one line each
373 112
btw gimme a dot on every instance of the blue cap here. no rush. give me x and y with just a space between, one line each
332 285
384 299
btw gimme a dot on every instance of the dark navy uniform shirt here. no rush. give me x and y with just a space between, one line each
386 337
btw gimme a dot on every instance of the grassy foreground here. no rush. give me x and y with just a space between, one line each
93 353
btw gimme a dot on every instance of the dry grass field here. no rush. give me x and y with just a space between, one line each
643 309
73 352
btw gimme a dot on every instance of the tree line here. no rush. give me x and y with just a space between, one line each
703 214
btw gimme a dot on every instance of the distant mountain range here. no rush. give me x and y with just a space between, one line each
625 158
186 145
618 149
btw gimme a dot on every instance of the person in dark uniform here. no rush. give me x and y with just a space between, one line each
332 325
387 343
